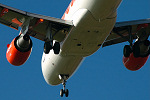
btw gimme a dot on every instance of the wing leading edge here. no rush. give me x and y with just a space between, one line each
122 30
38 24
15 18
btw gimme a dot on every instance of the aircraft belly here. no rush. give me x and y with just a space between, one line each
92 25
54 65
88 34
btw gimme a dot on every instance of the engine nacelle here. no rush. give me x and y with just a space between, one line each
19 50
133 63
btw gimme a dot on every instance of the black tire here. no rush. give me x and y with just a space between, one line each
61 92
127 51
136 50
56 48
47 47
66 92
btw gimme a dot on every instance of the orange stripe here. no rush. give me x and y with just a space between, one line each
16 21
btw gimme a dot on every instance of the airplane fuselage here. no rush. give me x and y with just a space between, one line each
93 21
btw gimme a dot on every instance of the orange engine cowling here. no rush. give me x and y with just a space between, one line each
19 50
132 63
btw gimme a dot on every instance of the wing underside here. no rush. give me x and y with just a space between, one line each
15 18
122 30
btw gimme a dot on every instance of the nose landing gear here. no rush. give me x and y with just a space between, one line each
64 90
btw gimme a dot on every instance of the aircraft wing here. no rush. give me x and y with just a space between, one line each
121 31
38 24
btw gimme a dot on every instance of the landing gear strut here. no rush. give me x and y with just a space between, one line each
50 43
64 90
141 47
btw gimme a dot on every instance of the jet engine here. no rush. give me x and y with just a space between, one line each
134 58
19 50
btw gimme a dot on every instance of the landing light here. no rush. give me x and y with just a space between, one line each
39 21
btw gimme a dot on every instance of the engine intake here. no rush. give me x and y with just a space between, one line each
19 50
23 43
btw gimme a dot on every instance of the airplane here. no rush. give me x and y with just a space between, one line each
83 29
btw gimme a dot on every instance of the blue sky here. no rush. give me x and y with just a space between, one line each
101 76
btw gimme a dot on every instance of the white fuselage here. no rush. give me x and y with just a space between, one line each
93 21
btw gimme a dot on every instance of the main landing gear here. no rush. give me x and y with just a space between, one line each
127 50
50 43
49 46
64 90
141 48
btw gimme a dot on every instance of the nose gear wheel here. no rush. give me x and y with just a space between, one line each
64 90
